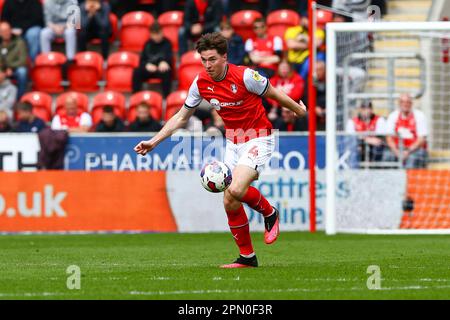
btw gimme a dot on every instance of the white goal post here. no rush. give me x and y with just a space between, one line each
370 198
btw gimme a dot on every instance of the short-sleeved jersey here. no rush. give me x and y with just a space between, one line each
236 97
265 47
407 128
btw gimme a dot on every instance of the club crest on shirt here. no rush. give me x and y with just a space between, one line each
257 76
233 88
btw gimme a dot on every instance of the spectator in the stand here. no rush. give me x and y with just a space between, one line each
289 82
13 51
200 17
407 132
296 38
8 92
321 95
236 48
110 122
5 125
144 121
155 61
56 15
290 122
264 51
73 119
26 18
95 24
303 68
372 128
26 120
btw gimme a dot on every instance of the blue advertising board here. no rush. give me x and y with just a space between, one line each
180 152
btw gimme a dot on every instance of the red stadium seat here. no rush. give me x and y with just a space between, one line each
152 98
42 104
190 67
110 98
120 71
47 74
86 72
278 21
323 17
82 101
170 22
113 20
135 30
174 102
242 22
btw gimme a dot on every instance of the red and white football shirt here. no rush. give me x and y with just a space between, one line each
236 97
265 47
407 128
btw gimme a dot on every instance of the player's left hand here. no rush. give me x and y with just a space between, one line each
303 111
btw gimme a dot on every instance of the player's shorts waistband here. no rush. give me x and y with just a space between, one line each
241 136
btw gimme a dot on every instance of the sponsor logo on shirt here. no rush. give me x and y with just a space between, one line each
218 105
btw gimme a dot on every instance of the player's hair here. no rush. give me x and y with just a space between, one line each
212 41
24 106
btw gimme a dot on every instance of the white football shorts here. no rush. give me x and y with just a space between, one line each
254 153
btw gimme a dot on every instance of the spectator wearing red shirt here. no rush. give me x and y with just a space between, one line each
288 81
72 118
264 51
407 132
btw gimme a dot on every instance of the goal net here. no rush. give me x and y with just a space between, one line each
388 127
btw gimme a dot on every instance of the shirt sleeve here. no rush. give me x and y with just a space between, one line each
350 127
277 44
255 83
421 123
390 123
194 98
248 45
85 120
380 127
56 123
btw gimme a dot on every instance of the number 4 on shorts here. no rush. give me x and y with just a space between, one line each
253 151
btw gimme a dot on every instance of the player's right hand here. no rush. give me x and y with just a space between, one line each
144 147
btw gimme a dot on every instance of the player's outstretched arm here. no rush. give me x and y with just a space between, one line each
179 120
284 100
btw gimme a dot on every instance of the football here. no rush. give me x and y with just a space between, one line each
216 176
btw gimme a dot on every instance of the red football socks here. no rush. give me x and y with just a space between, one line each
256 201
238 222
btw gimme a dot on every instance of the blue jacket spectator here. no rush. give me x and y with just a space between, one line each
27 121
236 47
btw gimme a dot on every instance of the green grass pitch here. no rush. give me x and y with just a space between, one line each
185 266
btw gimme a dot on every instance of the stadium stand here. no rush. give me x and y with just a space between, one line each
278 21
174 102
190 66
47 74
135 30
242 22
120 71
86 72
